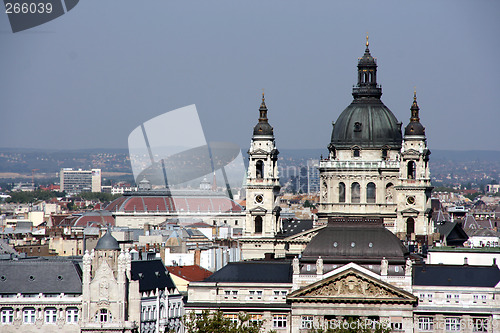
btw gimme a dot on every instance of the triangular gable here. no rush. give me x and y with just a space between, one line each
259 151
352 286
409 211
258 210
411 152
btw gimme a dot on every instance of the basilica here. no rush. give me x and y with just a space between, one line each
375 201
373 170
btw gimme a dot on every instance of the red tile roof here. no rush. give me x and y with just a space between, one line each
190 273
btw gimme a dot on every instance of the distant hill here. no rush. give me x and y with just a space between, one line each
116 160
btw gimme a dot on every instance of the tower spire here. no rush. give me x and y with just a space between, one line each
367 43
263 109
414 108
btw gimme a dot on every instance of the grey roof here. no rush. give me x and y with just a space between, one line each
294 226
483 233
456 275
33 276
107 242
453 233
355 242
6 248
151 275
258 271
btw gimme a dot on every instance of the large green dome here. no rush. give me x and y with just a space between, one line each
368 124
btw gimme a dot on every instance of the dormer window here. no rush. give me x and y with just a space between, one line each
384 153
357 126
356 152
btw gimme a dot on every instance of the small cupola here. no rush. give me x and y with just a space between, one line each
414 127
263 127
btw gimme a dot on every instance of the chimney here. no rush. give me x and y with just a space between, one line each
197 256
269 256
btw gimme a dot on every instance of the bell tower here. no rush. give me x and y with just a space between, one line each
414 193
262 183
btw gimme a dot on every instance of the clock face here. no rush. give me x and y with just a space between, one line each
259 198
410 200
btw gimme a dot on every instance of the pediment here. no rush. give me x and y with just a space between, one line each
258 210
411 152
352 286
260 151
411 211
305 236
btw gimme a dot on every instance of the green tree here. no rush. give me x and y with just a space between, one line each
100 196
215 322
308 204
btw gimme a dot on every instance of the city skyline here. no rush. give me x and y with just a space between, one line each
83 81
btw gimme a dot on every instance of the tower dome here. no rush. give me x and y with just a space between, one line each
367 122
263 127
414 127
107 242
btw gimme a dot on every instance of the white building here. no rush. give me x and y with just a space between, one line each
76 181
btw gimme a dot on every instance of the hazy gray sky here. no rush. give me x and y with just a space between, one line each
88 78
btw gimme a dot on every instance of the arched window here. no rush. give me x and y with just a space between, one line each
50 315
341 192
104 316
258 224
411 170
29 315
7 315
355 193
370 193
259 169
410 226
72 315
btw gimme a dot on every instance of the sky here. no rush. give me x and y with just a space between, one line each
90 77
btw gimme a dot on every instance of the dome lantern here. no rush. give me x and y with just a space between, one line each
367 123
